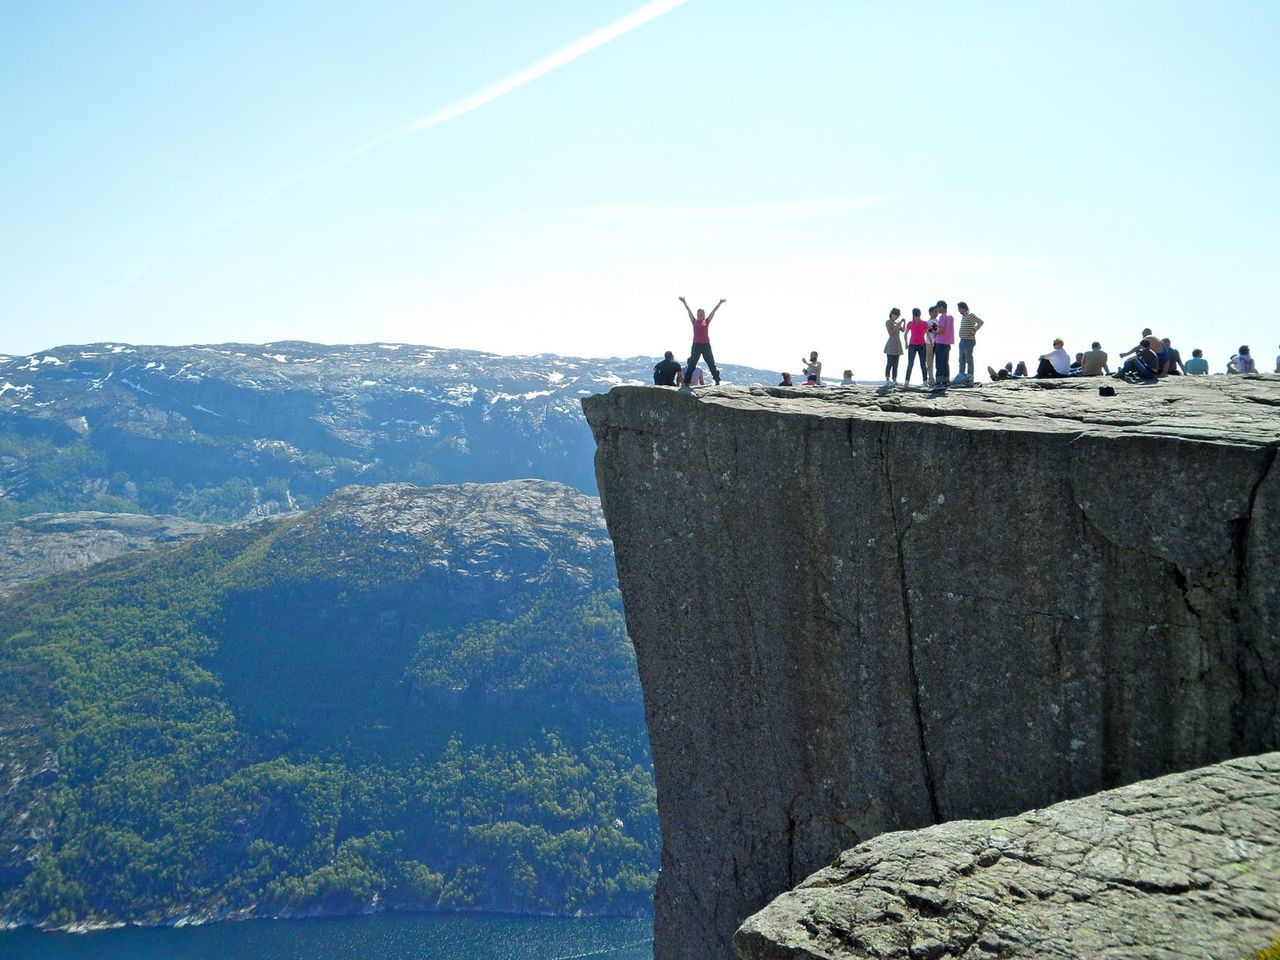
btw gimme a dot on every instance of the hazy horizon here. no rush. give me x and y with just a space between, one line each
525 181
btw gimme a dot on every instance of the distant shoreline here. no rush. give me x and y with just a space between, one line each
196 919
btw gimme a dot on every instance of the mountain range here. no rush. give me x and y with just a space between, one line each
231 431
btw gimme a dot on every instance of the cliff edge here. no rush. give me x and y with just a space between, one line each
857 612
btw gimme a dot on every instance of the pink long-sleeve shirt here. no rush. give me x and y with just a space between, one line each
946 329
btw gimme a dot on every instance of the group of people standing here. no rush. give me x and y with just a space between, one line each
930 342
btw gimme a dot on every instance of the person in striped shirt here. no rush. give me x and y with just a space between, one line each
970 324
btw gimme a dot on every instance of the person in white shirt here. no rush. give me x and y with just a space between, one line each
1242 362
1055 363
1278 363
696 378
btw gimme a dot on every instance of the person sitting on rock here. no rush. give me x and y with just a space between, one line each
1197 366
1143 366
1055 363
1094 362
786 380
1242 362
847 379
1146 332
1173 366
695 377
666 370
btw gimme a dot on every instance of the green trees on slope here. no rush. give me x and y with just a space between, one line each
496 764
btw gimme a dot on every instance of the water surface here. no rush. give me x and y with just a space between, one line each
388 936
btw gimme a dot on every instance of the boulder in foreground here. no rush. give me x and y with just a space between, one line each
1184 866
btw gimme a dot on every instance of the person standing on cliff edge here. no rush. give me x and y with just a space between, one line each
945 337
702 339
970 324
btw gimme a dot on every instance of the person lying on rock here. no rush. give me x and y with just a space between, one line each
1008 371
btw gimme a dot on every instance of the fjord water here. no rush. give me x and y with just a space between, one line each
386 936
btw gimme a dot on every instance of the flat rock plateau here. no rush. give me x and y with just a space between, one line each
859 611
51 543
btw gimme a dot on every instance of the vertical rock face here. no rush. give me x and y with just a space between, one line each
856 613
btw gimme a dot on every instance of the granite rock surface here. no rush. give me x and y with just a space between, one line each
51 543
1184 866
859 611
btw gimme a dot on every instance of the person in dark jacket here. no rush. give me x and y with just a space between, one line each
666 370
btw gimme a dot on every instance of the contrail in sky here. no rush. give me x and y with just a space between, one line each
486 95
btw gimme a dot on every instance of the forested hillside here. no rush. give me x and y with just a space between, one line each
405 697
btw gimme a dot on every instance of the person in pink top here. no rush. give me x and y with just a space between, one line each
942 345
702 339
916 328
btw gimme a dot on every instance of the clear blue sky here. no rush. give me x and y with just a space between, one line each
179 173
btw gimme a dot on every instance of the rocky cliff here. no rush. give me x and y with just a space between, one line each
857 611
1184 866
51 543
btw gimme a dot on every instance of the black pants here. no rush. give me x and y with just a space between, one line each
701 349
942 363
915 350
1046 370
891 365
